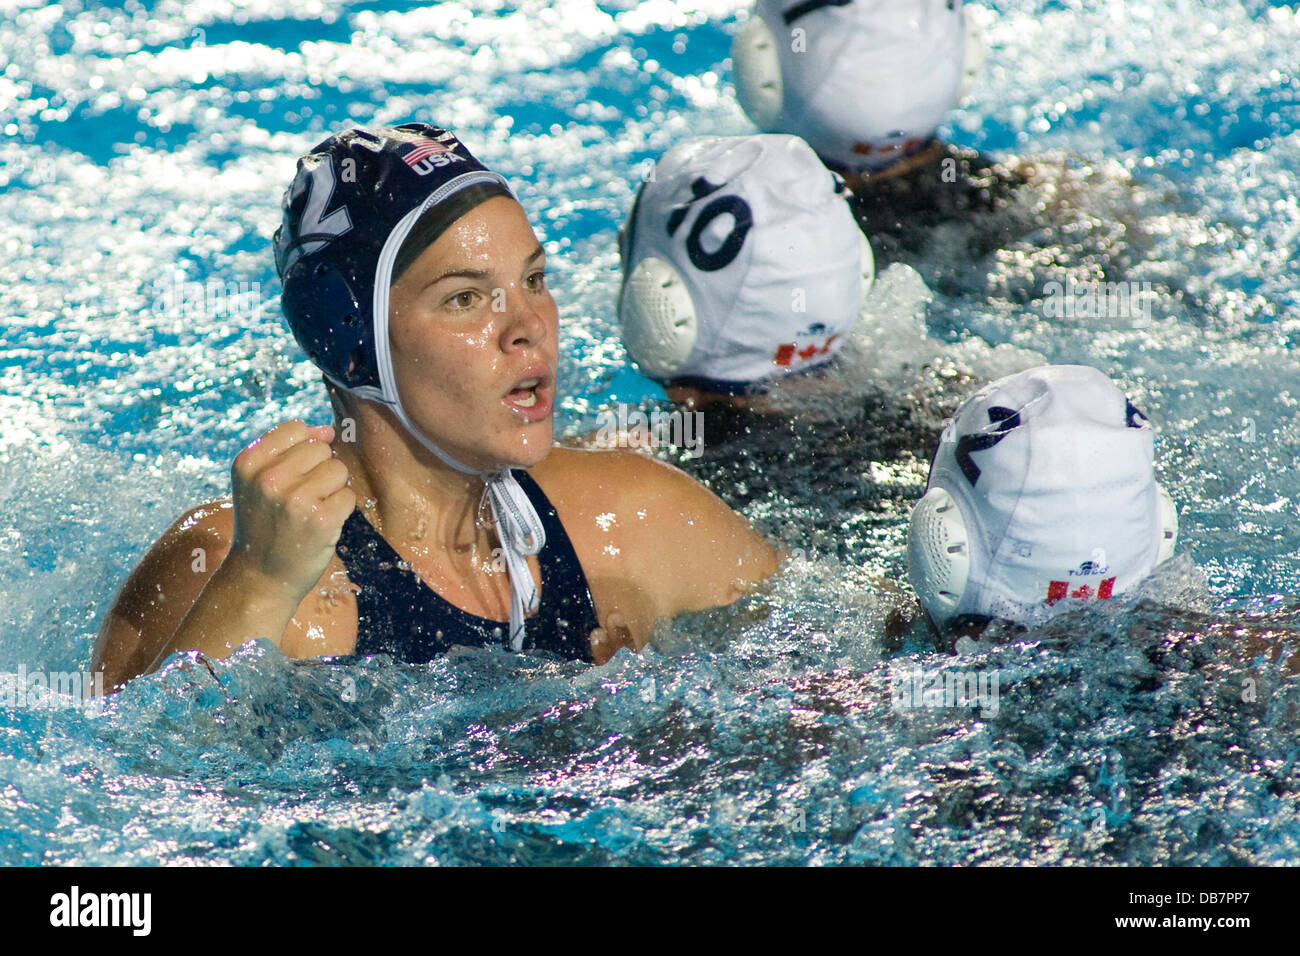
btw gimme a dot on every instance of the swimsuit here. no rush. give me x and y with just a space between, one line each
399 615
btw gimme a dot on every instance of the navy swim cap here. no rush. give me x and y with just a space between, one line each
362 206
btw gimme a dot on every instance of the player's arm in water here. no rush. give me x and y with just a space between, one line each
1256 642
652 541
226 574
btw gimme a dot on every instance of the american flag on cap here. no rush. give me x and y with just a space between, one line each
423 150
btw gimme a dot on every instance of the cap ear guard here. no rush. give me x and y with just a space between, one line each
343 350
939 550
1168 526
658 318
938 554
757 65
973 62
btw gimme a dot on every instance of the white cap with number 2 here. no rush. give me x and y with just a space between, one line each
1042 494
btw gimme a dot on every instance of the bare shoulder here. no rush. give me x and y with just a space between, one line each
160 590
188 551
633 518
212 523
597 479
628 496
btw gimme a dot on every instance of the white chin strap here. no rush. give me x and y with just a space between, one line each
939 551
518 525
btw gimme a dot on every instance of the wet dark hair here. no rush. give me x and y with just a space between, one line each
439 219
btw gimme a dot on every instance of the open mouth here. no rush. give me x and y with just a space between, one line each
530 398
525 393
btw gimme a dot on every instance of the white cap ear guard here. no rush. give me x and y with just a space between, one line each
868 267
1168 526
659 326
759 86
658 315
938 554
974 59
1041 489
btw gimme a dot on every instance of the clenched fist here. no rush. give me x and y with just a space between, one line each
291 498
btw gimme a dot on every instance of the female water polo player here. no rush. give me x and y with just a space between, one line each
741 265
1041 495
868 84
744 275
1042 498
434 512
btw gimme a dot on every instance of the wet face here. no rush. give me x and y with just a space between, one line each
474 335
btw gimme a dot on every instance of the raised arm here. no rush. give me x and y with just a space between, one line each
160 591
226 574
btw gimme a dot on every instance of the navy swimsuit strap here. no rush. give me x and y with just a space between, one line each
399 615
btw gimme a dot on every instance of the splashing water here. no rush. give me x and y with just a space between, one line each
142 157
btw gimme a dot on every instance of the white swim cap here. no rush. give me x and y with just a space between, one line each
1042 489
865 82
742 262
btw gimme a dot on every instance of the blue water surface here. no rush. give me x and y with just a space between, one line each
144 148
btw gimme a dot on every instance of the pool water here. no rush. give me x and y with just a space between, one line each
143 151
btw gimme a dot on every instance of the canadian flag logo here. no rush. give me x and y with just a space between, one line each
786 353
1058 590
